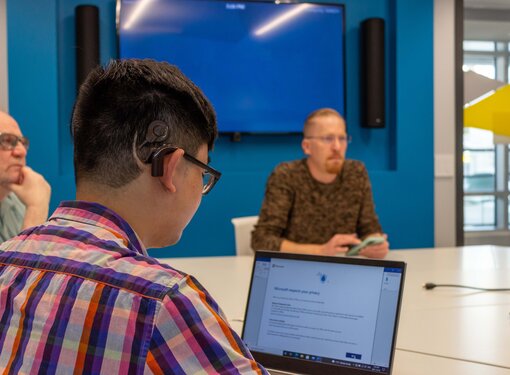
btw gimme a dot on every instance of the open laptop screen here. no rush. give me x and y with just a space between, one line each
306 312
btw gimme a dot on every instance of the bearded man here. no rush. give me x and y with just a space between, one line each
323 203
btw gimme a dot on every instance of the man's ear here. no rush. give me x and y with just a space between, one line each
305 145
170 164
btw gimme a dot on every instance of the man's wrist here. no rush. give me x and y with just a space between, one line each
34 215
36 207
295 247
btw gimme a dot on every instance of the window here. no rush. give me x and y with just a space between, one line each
484 65
479 45
486 167
479 212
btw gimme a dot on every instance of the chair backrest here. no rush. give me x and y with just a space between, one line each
243 227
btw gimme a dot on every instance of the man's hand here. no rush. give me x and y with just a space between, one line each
33 190
376 251
339 243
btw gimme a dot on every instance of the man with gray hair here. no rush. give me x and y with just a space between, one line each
24 193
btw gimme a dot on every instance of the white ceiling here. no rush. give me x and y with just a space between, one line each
486 30
487 4
479 26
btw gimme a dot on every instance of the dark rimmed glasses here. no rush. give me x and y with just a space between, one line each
9 141
210 175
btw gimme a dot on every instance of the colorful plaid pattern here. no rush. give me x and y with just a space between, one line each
79 294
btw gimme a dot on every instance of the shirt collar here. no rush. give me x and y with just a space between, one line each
98 215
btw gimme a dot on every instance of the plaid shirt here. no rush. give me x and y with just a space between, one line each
79 294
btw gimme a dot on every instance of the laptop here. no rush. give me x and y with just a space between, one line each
310 314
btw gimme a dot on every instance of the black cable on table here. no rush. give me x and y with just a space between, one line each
429 286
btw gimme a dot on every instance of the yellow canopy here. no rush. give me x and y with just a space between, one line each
491 113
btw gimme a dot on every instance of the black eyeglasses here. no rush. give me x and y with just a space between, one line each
9 141
210 175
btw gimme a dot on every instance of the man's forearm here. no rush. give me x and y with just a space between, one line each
34 192
34 215
302 248
265 238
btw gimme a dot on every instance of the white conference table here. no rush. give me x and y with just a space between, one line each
457 323
445 330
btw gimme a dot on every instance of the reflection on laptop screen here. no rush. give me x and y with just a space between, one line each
335 313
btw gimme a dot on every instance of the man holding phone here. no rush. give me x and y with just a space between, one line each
24 193
321 204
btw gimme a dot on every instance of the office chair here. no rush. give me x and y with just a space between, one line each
243 227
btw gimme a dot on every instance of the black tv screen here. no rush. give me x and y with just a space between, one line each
263 65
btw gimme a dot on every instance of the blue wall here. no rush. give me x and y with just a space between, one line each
399 157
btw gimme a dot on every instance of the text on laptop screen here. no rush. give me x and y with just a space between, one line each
340 314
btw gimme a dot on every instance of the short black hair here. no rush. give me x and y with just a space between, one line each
114 108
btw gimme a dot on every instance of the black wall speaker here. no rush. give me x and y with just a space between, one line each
87 41
372 73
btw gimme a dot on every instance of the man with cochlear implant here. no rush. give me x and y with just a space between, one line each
81 294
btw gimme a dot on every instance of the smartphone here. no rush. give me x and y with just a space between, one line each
373 240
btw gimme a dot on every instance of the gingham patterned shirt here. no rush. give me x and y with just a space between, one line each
79 294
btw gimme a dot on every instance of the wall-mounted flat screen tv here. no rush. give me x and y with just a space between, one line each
264 65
